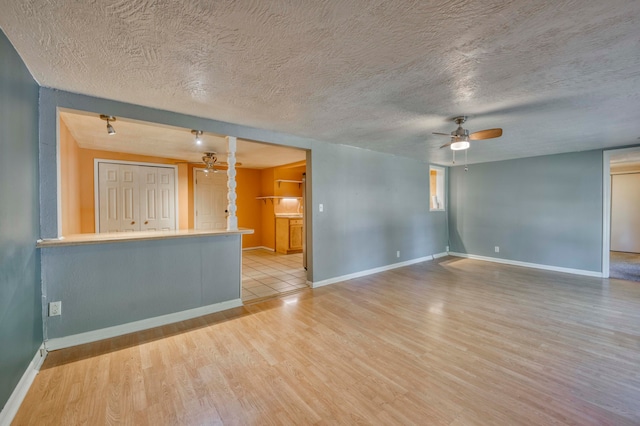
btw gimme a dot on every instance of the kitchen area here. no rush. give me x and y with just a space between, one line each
278 266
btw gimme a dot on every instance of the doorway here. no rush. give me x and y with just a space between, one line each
621 218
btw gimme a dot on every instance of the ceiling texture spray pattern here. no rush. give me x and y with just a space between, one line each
556 76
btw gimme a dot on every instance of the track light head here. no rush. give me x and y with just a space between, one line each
198 134
110 130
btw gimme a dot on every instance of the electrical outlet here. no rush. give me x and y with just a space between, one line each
55 309
320 208
398 253
497 249
446 249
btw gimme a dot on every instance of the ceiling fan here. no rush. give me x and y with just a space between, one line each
210 160
460 137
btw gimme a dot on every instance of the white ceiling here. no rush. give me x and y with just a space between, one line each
556 76
135 137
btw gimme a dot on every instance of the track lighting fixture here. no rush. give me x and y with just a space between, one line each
110 130
198 134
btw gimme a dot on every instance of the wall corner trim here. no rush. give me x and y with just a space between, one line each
364 273
132 327
529 265
17 396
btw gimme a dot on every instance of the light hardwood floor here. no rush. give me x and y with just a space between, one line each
446 342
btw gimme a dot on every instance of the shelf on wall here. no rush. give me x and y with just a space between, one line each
272 197
299 182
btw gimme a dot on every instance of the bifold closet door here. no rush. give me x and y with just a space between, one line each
157 198
136 198
119 205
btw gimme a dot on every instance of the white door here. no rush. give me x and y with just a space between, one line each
157 198
210 200
625 213
118 198
136 198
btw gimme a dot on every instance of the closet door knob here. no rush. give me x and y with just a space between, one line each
133 223
146 222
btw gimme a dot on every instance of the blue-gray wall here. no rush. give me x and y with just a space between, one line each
104 285
374 205
20 305
545 210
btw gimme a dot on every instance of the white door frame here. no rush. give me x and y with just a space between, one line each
96 185
606 202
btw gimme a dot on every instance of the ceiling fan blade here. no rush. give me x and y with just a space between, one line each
485 134
443 134
446 145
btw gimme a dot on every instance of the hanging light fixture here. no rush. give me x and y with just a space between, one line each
210 159
198 134
460 143
110 130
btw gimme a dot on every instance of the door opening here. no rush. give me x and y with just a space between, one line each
621 215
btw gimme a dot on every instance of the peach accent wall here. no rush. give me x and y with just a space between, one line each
70 182
183 188
249 209
268 237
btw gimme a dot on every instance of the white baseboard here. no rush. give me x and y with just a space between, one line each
132 327
317 284
530 265
17 396
438 255
258 248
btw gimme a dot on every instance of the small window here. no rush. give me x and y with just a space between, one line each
436 188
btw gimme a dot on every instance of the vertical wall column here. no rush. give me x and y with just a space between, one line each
232 219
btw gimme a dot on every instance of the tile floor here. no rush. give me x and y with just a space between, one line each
266 274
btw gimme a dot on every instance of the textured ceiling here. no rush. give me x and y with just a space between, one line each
556 76
135 137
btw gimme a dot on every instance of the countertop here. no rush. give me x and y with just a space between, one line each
81 239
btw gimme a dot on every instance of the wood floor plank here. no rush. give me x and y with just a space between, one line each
447 342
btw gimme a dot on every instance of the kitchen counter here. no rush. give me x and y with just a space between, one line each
100 238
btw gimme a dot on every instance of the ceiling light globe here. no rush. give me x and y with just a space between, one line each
460 145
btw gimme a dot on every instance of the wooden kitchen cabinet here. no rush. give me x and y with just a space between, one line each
288 235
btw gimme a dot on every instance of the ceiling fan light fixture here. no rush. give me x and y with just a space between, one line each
210 159
110 130
460 144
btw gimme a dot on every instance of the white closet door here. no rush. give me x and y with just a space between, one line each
211 200
136 198
129 195
118 198
166 200
157 198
